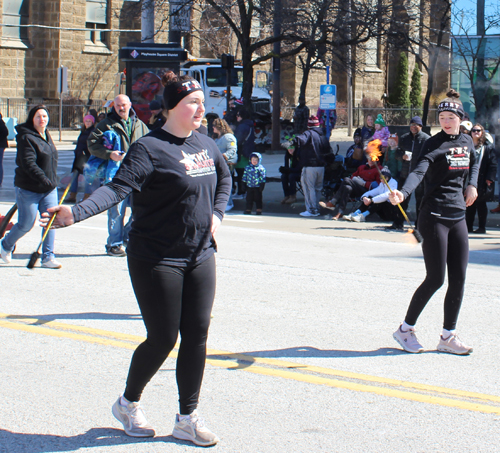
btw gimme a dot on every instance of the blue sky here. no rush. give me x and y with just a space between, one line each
469 19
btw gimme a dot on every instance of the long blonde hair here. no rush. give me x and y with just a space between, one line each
222 126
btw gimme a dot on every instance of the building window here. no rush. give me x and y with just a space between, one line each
15 12
371 54
97 22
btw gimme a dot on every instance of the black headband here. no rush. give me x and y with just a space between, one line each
453 107
175 92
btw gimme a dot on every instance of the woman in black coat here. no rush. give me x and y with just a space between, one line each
82 155
485 155
36 183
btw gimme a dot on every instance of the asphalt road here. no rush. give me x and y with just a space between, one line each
301 355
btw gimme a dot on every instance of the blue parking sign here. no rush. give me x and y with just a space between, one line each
328 97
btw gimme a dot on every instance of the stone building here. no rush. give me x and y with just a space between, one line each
83 36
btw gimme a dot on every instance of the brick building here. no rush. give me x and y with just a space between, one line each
29 57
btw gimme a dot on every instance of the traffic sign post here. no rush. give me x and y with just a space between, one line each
327 102
62 87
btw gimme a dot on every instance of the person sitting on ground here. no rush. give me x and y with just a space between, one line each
381 132
355 156
368 129
391 159
374 201
254 177
366 177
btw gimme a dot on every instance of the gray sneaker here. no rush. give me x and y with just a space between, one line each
453 345
51 263
408 340
194 430
133 419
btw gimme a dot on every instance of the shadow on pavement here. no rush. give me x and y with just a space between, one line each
89 315
303 352
93 438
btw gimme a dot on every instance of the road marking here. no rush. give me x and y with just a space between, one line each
393 388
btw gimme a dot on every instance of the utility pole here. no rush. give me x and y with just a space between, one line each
276 79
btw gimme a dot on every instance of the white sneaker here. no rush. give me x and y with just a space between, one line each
453 345
309 214
6 256
52 263
359 218
408 340
193 428
133 419
348 217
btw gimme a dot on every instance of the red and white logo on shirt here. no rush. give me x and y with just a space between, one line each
199 164
458 158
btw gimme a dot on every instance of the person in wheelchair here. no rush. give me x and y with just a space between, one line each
376 201
366 177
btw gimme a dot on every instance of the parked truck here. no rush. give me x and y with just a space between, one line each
213 78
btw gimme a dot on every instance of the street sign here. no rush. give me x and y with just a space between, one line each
62 80
328 97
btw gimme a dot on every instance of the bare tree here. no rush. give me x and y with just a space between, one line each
426 35
477 57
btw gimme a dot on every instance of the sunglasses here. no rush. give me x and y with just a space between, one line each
475 130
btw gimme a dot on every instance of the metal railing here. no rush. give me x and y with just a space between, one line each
73 111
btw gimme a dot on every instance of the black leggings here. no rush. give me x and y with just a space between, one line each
172 300
482 213
446 244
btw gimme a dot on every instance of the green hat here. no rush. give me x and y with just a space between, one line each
380 120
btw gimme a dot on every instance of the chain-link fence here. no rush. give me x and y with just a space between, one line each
73 111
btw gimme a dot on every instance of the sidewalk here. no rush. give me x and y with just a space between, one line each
273 193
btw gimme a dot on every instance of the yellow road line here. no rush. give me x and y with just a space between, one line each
271 367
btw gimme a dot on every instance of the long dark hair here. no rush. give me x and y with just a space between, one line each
481 140
32 113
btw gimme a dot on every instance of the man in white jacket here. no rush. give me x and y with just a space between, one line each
374 200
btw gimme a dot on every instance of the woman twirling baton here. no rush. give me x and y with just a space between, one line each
180 184
447 161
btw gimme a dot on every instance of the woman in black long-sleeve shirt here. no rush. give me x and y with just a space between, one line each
447 161
180 184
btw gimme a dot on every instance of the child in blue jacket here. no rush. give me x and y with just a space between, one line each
254 177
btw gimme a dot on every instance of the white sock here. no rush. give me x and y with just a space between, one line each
124 401
406 327
446 333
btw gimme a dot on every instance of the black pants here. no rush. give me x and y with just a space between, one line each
289 183
241 185
481 208
446 244
348 189
254 194
172 300
385 210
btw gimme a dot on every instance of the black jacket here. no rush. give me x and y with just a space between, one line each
312 147
82 152
413 143
4 134
487 171
36 161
